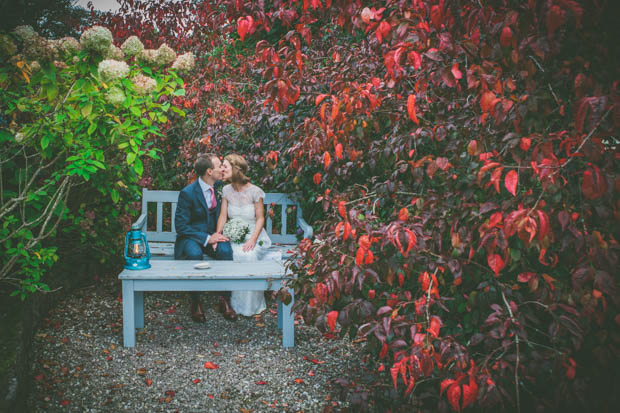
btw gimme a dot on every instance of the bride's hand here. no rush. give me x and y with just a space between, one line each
249 245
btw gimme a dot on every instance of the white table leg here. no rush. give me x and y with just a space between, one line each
288 322
139 306
129 317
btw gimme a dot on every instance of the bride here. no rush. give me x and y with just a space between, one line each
242 199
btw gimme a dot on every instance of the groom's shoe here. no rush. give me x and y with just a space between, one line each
223 306
198 314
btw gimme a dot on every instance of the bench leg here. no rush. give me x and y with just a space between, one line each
288 322
280 305
139 306
129 316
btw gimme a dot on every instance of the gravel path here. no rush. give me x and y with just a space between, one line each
80 364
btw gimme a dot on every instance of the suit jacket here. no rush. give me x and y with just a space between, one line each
191 220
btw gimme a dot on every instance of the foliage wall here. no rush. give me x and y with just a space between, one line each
459 162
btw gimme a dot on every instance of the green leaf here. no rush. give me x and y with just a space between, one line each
115 196
135 110
92 128
52 92
138 167
131 157
86 109
45 142
179 92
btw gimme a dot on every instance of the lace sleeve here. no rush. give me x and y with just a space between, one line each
257 194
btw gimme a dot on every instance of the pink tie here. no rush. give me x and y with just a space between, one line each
213 200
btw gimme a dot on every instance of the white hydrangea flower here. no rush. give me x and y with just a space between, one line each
26 33
110 70
97 39
165 55
184 62
68 46
19 137
143 85
40 48
7 46
35 66
132 46
148 56
114 53
115 96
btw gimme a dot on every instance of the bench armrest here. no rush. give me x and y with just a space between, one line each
139 224
307 229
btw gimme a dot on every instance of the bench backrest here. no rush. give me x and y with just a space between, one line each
281 226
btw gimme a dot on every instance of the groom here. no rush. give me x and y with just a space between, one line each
195 221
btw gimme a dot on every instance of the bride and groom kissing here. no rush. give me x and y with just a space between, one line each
200 218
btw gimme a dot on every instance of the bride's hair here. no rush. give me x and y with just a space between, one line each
239 168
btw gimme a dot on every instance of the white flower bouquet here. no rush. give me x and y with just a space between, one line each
236 230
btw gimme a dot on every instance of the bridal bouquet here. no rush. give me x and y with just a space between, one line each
236 230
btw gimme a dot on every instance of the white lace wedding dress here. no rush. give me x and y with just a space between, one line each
241 205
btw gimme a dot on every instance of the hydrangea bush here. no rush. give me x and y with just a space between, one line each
74 115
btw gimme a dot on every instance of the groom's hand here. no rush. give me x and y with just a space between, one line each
217 237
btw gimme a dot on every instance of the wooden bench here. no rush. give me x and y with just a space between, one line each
166 274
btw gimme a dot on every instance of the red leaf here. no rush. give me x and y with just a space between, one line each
444 384
496 263
394 373
320 98
454 396
495 219
411 109
470 392
435 326
338 151
317 178
487 101
196 381
299 381
415 58
525 144
371 294
526 277
383 30
456 72
148 382
261 382
359 257
436 17
243 26
210 365
384 350
555 18
543 223
505 38
403 215
342 209
510 181
364 242
64 402
593 185
332 316
496 176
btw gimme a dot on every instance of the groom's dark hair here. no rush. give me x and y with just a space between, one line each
204 162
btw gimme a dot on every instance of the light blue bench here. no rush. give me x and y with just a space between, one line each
166 274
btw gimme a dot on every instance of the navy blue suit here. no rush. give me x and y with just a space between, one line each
193 222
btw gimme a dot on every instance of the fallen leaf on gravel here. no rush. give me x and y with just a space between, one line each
139 354
113 346
224 396
196 381
148 382
168 399
65 340
109 358
117 386
209 365
315 361
39 377
160 362
242 410
170 393
86 335
299 381
106 351
311 373
260 325
141 371
216 353
261 382
211 396
64 402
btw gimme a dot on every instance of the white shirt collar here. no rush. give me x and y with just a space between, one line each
203 185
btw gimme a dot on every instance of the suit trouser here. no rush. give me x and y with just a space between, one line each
195 252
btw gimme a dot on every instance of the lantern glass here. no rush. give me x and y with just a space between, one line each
136 248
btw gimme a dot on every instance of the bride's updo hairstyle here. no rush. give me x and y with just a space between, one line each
239 169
